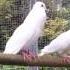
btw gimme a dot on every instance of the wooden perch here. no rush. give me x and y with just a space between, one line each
46 60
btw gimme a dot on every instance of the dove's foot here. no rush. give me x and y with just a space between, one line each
27 55
66 59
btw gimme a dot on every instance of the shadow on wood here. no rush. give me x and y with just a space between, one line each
46 60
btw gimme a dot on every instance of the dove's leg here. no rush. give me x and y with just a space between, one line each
66 58
27 55
64 55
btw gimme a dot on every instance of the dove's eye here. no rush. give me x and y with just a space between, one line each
42 5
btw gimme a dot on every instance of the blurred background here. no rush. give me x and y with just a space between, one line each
13 13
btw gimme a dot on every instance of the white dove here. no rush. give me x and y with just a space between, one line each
60 45
28 32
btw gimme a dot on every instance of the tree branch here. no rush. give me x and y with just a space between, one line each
46 60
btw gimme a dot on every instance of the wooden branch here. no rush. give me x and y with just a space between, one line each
46 60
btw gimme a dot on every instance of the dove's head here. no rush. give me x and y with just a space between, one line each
39 5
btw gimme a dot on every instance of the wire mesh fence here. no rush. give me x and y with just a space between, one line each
11 17
13 13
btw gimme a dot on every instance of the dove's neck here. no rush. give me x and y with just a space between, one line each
36 17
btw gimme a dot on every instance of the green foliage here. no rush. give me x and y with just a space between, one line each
62 13
5 16
13 67
54 27
4 9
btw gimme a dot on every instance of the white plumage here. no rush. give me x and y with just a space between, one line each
29 31
60 45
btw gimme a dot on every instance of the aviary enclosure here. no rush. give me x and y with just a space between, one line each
13 13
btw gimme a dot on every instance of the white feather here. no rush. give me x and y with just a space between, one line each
29 31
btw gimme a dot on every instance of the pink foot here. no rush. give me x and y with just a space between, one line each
27 55
66 59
